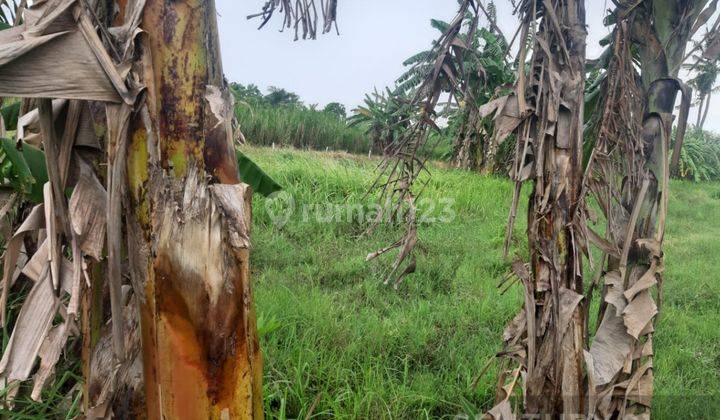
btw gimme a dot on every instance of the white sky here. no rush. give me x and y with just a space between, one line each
376 36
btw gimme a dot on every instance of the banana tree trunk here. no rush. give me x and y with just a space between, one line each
547 336
622 348
557 286
190 225
489 155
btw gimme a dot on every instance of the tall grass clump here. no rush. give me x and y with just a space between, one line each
280 119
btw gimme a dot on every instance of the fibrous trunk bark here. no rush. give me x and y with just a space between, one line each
547 336
188 236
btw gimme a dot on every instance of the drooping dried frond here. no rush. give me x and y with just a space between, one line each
486 74
302 15
403 165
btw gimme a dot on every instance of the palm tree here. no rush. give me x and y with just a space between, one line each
281 97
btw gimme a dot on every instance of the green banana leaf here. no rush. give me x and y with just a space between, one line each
252 175
10 115
25 169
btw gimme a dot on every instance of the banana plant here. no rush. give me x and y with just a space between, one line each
487 76
173 184
384 115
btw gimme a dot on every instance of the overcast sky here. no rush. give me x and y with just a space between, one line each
376 36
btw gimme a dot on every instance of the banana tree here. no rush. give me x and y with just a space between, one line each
384 116
163 232
628 175
544 344
487 76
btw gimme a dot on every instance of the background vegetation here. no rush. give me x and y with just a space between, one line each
279 118
700 157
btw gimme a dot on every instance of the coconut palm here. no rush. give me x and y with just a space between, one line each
705 76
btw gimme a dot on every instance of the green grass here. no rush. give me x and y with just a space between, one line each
339 341
335 340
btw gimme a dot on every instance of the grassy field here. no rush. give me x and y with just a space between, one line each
337 343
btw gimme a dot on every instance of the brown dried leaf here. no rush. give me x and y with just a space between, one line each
61 66
648 280
603 244
614 293
118 119
37 267
28 127
31 328
507 120
49 355
639 313
53 256
515 328
610 348
502 411
569 300
640 387
88 213
490 107
592 382
34 221
51 17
